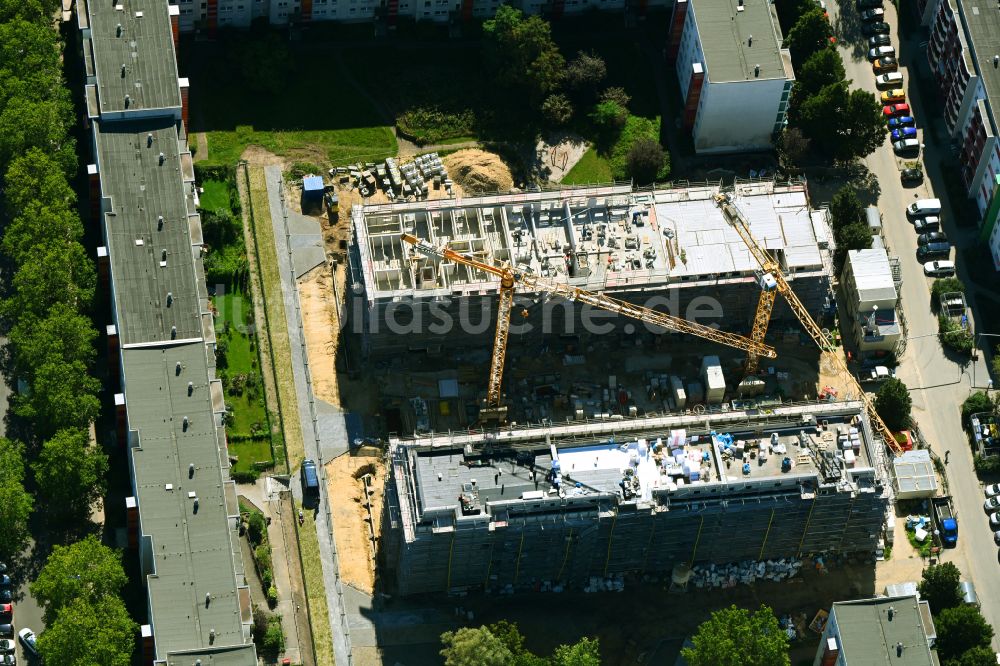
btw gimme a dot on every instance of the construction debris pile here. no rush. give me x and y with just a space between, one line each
407 181
746 572
479 172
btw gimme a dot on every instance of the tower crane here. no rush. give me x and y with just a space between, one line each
511 279
771 268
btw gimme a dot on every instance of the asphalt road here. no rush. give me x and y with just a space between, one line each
937 384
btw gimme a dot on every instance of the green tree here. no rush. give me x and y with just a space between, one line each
62 395
608 117
26 123
959 630
893 403
51 273
977 656
818 71
470 646
35 11
39 225
63 335
645 159
855 236
586 652
846 208
792 146
34 178
15 502
811 32
736 637
86 570
85 633
29 60
789 11
939 586
557 109
521 52
71 473
843 124
617 95
954 336
976 403
636 129
585 72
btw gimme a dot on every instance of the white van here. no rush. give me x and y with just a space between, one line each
927 223
907 146
922 207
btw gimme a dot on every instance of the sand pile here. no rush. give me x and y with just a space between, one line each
478 172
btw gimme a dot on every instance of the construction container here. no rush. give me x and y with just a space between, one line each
677 392
713 380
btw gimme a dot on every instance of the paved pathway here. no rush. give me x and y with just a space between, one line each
323 429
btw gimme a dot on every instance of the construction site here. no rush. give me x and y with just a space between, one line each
707 419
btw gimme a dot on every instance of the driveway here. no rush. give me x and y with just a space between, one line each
937 384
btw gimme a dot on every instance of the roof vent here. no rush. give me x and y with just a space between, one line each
190 388
740 7
891 612
118 30
756 71
163 158
186 423
996 58
177 368
208 599
128 100
149 139
170 298
195 506
191 470
163 254
749 41
173 332
211 636
899 649
123 70
159 223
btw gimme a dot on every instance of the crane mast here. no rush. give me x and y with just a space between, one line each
511 279
769 265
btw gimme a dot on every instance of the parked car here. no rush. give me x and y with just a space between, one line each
6 630
906 147
8 660
6 646
928 223
922 207
876 28
7 611
874 14
904 133
940 249
6 596
893 96
896 109
3 568
868 4
889 80
938 237
991 505
28 640
941 268
992 490
901 121
913 175
885 64
879 40
876 52
4 580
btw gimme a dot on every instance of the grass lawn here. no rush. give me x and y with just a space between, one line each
591 169
215 196
281 353
306 110
250 451
312 573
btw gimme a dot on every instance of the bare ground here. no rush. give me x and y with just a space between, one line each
352 523
320 322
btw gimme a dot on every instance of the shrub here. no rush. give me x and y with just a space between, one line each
274 639
557 109
954 336
245 476
617 95
432 124
262 554
976 403
645 159
272 596
635 130
256 528
609 116
986 465
944 286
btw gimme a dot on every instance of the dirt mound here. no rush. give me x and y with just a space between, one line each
478 172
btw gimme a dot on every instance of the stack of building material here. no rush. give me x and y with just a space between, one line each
744 573
713 380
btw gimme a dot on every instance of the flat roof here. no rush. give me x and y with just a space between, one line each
193 551
602 239
233 655
651 457
136 34
869 638
142 189
982 18
872 274
725 31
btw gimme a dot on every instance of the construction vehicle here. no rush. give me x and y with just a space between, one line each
511 279
770 267
944 516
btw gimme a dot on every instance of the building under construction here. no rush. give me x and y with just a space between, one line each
672 249
562 505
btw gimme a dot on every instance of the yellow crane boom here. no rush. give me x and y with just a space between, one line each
509 279
769 265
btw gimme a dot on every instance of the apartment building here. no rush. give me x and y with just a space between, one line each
734 75
889 631
871 300
963 50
